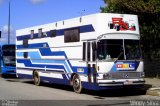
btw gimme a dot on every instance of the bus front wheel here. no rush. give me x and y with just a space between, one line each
77 85
36 78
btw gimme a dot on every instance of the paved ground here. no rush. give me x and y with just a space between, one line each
25 91
154 84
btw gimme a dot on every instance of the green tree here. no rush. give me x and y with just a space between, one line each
148 12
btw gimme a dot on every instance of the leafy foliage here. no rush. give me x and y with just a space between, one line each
148 12
136 6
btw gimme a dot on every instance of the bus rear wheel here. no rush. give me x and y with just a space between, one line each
77 85
36 78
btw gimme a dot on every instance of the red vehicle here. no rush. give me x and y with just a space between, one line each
120 25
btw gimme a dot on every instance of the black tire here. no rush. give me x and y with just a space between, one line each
77 85
36 78
3 75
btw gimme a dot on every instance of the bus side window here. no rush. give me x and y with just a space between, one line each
72 35
40 33
94 51
32 34
25 54
52 33
84 51
88 51
25 43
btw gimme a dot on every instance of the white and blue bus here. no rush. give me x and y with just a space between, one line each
98 51
8 61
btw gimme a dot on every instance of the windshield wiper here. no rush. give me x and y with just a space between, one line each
118 56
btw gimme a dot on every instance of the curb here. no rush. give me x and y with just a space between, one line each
153 91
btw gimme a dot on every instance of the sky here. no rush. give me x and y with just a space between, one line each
28 13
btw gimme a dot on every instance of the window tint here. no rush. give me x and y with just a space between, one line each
94 51
52 33
84 51
71 35
110 49
8 50
32 34
25 43
132 49
25 54
39 33
88 51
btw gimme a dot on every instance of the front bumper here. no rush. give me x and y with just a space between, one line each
120 82
10 70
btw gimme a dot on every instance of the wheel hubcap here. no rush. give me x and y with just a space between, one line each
76 83
36 79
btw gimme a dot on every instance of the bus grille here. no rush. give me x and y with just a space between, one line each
125 75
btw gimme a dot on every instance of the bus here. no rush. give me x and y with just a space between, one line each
8 60
97 52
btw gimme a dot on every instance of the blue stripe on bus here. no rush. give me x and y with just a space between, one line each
37 56
60 32
65 81
19 54
86 28
52 80
43 70
37 45
48 52
25 76
8 70
28 63
86 85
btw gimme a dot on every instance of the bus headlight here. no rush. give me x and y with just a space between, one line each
142 75
106 76
6 60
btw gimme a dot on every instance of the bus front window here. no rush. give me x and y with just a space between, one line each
110 49
132 48
114 49
8 54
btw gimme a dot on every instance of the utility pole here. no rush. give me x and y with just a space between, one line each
9 23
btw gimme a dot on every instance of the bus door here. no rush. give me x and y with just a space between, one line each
89 56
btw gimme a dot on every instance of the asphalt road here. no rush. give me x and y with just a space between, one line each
24 91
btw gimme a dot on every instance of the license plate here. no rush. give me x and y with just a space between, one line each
128 83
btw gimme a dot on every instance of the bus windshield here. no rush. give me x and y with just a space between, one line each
119 49
132 49
8 55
